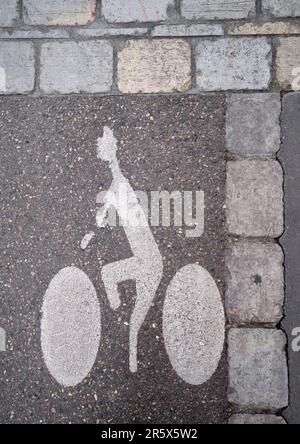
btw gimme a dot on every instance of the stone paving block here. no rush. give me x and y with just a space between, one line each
255 198
8 12
282 8
72 67
217 9
288 64
255 286
258 376
118 11
253 124
256 419
16 67
233 64
268 28
59 12
187 30
154 66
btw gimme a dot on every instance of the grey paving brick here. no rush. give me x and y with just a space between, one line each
256 419
217 9
233 64
126 11
59 12
253 124
16 67
8 12
255 198
70 67
258 376
282 8
255 286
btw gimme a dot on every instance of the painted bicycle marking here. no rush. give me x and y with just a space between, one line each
194 321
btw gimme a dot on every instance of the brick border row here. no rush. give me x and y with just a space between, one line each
257 355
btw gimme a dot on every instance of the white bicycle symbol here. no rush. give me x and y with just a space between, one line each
193 314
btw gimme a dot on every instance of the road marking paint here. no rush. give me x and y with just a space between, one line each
2 80
2 340
194 324
86 240
193 318
71 326
146 265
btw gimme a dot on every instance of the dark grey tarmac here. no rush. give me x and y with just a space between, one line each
49 179
290 159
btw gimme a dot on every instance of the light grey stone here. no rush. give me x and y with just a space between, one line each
2 340
233 64
16 67
253 124
126 11
59 12
282 8
71 67
258 376
256 419
255 286
187 30
255 198
8 12
217 9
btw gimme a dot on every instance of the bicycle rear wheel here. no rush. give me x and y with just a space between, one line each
194 324
70 327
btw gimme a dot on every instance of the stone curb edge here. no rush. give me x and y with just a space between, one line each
257 348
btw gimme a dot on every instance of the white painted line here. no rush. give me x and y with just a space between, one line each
2 340
71 326
2 80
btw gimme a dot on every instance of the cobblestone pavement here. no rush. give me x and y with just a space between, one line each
245 54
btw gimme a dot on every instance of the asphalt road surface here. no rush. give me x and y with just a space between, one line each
50 177
290 158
